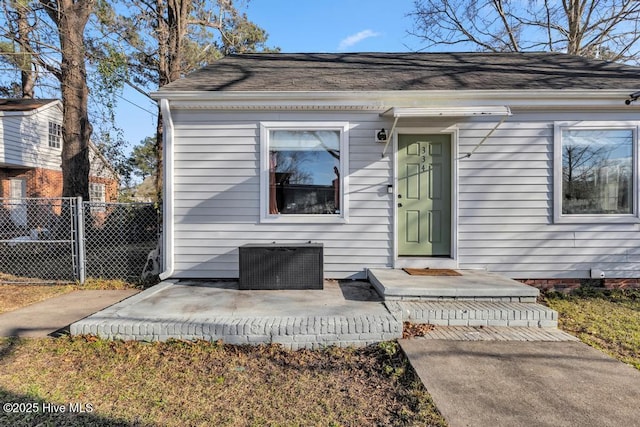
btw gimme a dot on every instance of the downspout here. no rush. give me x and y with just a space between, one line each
167 202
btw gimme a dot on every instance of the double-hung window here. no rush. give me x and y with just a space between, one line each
55 135
596 172
304 172
97 197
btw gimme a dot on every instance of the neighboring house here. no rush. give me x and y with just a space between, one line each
30 150
525 164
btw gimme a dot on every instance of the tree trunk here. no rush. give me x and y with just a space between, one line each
162 35
27 73
158 151
170 33
71 17
573 10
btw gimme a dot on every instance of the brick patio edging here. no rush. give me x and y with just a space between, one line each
291 332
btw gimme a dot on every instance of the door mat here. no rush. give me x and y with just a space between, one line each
431 272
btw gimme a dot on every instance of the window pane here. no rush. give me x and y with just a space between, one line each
55 134
597 172
304 172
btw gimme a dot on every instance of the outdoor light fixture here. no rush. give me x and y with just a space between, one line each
381 136
632 98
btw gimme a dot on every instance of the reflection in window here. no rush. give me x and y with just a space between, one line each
304 172
597 171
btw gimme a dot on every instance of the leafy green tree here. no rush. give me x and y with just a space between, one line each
143 158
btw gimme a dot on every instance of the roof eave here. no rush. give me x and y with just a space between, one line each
386 99
32 111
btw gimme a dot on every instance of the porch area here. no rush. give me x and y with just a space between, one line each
343 313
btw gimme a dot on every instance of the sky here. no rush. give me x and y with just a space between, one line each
294 26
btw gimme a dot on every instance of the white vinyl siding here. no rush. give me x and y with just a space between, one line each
217 195
25 138
504 194
506 210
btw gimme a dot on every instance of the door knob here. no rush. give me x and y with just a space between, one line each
399 205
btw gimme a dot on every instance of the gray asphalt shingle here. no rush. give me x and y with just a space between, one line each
407 71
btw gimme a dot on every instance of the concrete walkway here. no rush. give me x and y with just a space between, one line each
46 317
516 383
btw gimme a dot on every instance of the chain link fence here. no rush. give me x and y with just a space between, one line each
65 239
118 239
37 239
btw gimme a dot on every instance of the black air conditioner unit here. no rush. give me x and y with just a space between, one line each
281 266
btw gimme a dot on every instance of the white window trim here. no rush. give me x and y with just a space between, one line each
98 205
558 216
58 137
265 128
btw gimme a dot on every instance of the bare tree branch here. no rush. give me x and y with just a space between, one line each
605 29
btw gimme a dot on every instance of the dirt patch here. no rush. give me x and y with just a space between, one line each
412 330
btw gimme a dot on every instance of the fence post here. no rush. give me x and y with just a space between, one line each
81 249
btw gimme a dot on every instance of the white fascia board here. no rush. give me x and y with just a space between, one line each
383 100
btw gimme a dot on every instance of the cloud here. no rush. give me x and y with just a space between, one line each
356 38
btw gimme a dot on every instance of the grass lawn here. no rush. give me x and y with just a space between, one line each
192 384
608 320
183 383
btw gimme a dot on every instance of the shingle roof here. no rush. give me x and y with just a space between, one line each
407 71
23 104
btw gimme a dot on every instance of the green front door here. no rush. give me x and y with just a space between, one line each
424 195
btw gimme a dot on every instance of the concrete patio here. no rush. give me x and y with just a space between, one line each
344 313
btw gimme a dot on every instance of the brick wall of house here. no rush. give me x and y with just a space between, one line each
568 285
110 188
48 183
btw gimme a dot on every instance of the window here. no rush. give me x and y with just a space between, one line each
303 173
596 173
17 204
97 197
55 134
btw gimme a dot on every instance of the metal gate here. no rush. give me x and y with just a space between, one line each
66 239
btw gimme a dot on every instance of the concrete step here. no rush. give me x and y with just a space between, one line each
472 285
475 313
